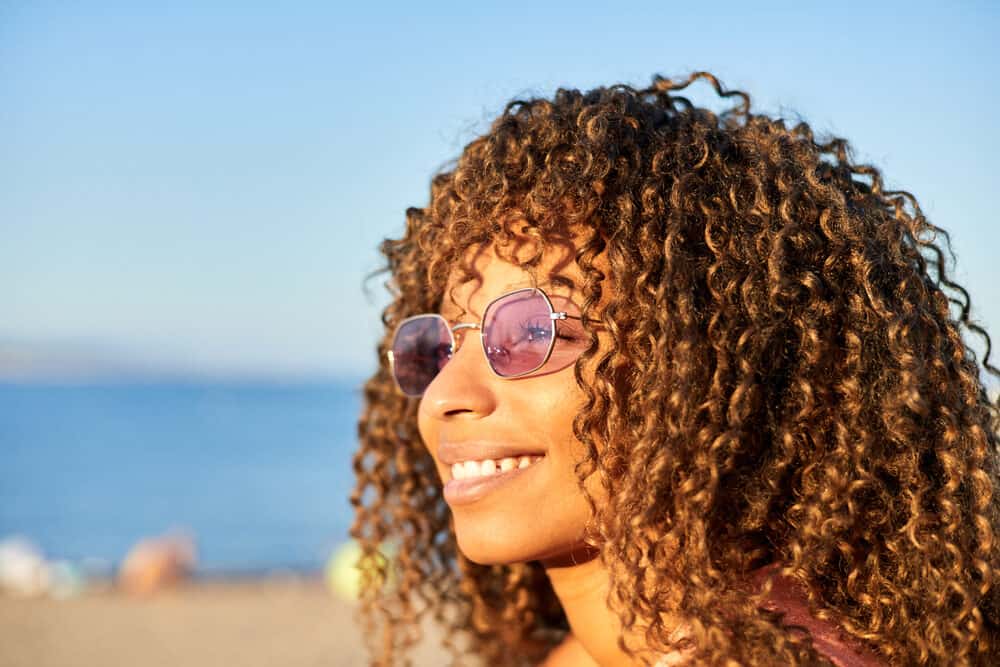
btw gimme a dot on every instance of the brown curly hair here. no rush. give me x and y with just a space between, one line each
788 384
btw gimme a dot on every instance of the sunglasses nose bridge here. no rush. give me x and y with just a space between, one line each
459 338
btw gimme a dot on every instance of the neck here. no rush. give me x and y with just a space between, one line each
582 585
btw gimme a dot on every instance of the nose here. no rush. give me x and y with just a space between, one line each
464 386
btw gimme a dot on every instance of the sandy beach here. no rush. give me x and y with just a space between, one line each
277 621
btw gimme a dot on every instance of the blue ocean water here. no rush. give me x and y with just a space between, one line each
259 473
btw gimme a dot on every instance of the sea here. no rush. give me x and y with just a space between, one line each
259 473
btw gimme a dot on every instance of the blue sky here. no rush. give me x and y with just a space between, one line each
201 190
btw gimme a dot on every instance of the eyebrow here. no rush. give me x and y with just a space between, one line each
522 284
447 305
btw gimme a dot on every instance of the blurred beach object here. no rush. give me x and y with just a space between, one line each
25 572
66 579
23 569
343 575
157 563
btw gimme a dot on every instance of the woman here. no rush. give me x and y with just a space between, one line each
662 386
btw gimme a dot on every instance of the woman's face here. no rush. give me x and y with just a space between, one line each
467 413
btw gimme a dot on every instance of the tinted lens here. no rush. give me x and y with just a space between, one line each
518 332
420 349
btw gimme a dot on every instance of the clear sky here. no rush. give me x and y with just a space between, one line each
203 189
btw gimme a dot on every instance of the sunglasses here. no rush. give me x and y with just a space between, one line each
518 332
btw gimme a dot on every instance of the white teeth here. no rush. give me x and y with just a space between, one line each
467 469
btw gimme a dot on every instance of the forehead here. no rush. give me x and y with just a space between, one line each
491 274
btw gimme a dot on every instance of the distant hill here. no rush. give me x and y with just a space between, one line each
86 361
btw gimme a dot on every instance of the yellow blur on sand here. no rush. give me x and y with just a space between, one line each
343 576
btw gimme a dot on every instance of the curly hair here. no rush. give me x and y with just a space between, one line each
787 383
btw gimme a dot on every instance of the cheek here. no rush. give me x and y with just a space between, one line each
428 430
425 426
546 416
558 414
553 403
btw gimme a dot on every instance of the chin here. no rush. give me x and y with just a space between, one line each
486 545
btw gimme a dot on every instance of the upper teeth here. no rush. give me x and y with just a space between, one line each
467 469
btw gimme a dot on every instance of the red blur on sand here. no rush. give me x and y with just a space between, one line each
157 563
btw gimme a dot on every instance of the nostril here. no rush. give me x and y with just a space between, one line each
455 411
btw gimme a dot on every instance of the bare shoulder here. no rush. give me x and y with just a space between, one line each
569 653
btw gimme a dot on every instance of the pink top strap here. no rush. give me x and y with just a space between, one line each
787 597
841 649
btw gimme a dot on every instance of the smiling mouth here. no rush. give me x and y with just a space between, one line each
487 467
468 489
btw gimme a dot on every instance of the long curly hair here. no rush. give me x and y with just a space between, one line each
787 384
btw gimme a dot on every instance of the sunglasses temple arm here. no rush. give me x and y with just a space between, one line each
567 316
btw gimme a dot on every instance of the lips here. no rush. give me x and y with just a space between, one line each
450 452
458 492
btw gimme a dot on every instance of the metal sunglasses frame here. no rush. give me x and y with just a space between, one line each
554 315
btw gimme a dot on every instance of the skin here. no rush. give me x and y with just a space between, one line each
542 516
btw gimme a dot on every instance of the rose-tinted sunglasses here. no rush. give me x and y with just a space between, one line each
518 333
